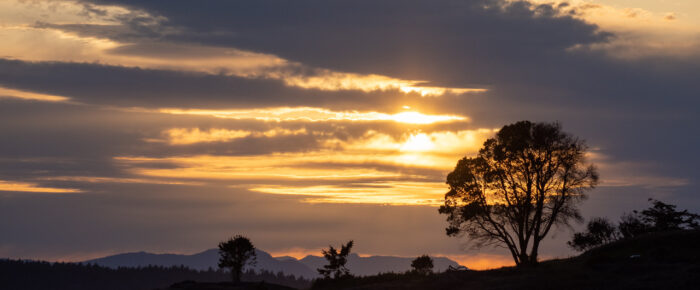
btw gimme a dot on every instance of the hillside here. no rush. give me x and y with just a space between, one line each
656 261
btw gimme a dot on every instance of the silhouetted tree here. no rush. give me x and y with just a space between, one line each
599 231
631 225
236 253
524 181
336 261
423 265
657 218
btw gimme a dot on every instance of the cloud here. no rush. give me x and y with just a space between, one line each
10 93
184 136
30 187
424 40
310 114
134 87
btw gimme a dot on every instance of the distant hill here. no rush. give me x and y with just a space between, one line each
305 267
202 261
668 260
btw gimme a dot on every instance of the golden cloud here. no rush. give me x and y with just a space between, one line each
374 168
312 114
33 187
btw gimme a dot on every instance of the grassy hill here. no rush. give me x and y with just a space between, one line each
656 261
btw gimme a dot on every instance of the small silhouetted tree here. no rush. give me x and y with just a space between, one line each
336 261
422 265
526 180
631 225
599 231
236 253
659 217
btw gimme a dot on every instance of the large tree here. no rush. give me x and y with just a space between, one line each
236 253
526 180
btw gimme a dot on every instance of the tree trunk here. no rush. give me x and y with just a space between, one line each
236 275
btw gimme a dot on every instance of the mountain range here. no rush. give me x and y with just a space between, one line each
305 267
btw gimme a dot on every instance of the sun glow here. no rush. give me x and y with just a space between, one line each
437 91
188 136
418 142
374 168
312 114
395 193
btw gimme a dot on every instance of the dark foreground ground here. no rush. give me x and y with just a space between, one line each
665 261
190 285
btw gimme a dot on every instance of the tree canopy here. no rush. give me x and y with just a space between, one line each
236 253
660 217
526 180
423 264
599 231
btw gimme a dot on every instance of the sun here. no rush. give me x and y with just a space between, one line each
418 142
419 118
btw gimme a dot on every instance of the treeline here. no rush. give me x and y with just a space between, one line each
660 217
31 275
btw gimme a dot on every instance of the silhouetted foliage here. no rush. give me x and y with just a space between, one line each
423 265
667 260
599 231
35 275
336 262
236 253
631 226
524 181
659 217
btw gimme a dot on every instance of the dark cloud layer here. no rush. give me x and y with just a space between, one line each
135 87
432 40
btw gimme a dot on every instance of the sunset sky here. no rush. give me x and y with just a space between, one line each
168 126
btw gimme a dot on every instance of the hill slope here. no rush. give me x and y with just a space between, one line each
657 261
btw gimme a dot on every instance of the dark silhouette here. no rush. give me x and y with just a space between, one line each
306 267
236 253
35 275
336 262
660 217
423 265
599 231
631 225
523 182
662 260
